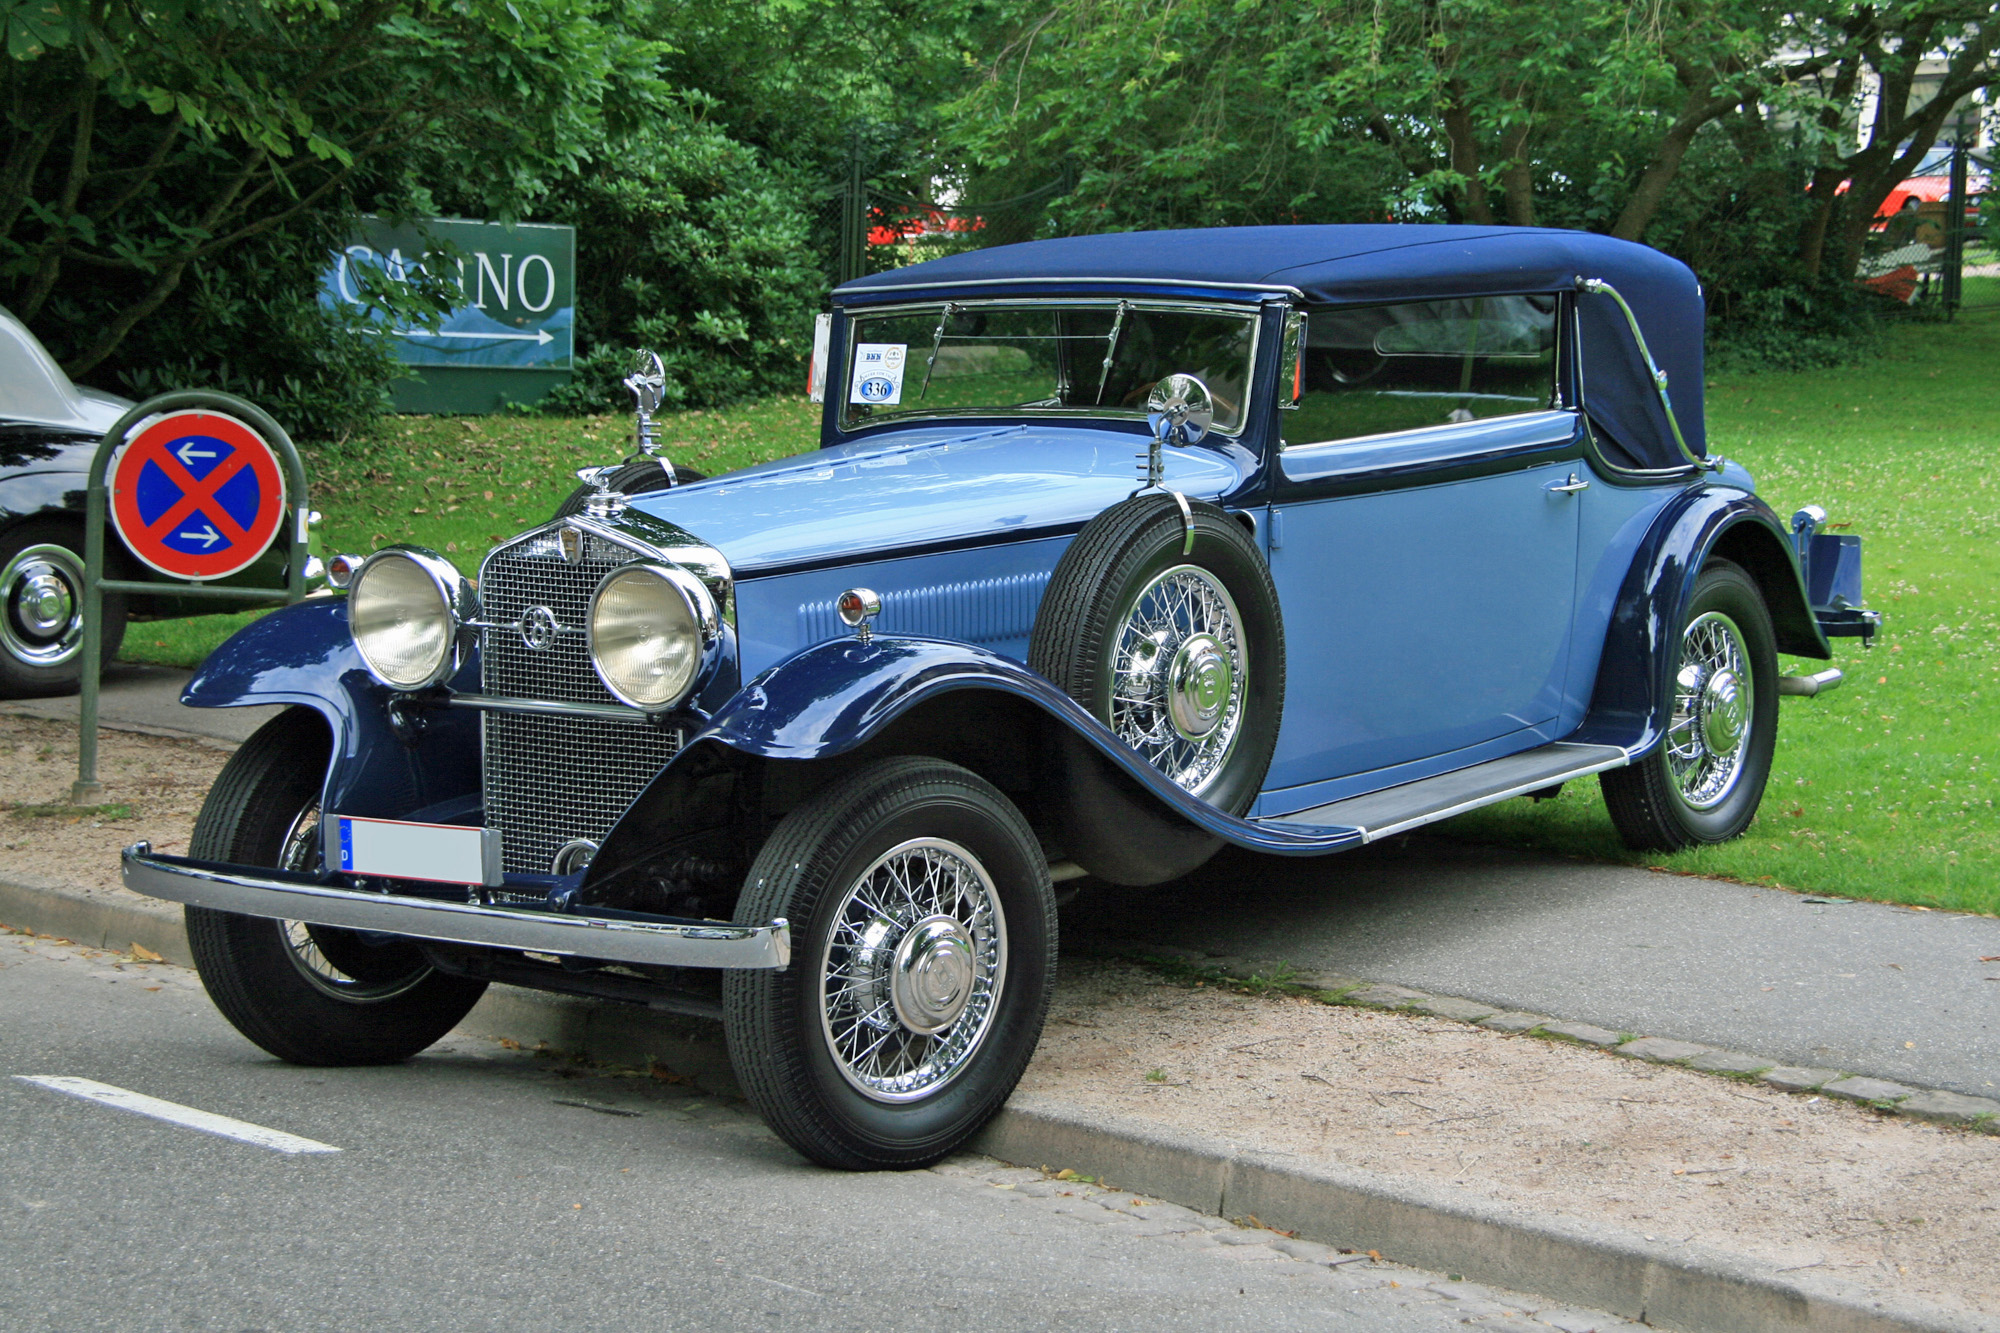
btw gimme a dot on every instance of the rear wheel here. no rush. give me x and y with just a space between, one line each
41 609
309 994
924 942
1705 780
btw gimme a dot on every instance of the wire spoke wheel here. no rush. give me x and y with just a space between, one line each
1714 706
1180 662
345 964
912 970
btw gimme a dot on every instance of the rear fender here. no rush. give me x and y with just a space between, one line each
304 656
1632 702
836 699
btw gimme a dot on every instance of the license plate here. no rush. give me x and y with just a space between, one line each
447 853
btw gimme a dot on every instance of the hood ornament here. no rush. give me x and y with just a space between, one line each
648 383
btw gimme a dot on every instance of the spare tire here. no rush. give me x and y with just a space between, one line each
1179 648
633 477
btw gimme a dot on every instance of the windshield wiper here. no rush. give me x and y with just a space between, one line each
1111 350
937 341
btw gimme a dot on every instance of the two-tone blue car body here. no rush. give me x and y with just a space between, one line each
1116 549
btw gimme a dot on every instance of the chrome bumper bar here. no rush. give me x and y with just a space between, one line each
285 897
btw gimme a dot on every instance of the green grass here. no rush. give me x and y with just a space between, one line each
461 484
1885 788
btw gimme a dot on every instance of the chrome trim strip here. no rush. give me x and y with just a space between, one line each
668 944
1369 835
496 703
1283 288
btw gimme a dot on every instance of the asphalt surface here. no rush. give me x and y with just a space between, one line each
468 1194
1826 983
1829 983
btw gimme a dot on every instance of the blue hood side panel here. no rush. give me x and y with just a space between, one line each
302 654
985 595
922 486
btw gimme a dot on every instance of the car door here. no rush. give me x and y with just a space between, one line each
1423 536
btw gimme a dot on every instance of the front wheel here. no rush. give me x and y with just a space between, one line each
924 944
308 994
1704 781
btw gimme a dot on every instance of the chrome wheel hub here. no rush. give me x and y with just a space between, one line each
1714 702
1176 696
41 613
910 978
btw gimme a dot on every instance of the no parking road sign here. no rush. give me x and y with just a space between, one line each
198 495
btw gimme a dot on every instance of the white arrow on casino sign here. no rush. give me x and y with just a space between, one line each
538 336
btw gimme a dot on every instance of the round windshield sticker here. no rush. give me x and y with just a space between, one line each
876 389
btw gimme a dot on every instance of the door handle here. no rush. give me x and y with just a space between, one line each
1570 487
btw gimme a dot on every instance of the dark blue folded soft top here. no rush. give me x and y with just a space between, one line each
1388 262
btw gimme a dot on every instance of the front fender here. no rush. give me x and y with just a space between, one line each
303 655
835 697
1632 702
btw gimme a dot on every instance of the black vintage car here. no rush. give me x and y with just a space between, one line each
49 428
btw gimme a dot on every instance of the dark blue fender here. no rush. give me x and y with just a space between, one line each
835 697
303 654
1633 699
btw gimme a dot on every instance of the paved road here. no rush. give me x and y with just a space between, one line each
468 1194
1872 989
1864 987
148 698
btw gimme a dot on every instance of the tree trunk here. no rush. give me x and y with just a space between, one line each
1517 179
1465 161
1698 110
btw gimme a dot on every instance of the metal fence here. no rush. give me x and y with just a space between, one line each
865 226
1937 247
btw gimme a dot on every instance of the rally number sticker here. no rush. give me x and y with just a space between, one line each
878 373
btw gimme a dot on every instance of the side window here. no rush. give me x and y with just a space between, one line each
1370 370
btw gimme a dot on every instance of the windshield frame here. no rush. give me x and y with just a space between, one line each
1248 310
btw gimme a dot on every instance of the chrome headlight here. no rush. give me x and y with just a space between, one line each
407 609
653 630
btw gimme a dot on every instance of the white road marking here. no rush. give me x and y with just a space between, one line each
174 1113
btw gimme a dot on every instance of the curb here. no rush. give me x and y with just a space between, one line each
1608 1268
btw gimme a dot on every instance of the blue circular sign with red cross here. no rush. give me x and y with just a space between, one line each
198 495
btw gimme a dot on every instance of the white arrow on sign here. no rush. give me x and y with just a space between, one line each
208 536
538 336
187 453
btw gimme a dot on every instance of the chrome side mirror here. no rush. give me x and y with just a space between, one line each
1180 410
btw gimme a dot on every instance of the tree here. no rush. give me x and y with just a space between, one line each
148 138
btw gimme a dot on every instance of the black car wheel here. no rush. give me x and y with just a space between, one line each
1179 648
635 477
41 609
1704 781
923 957
309 994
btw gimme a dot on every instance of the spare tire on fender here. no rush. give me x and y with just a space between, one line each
1173 640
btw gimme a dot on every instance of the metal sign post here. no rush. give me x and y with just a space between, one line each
216 505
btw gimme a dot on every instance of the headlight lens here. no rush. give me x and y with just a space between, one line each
651 628
400 610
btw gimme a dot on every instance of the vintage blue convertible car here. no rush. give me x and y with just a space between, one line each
1117 549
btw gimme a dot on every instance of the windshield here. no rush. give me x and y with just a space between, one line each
1096 358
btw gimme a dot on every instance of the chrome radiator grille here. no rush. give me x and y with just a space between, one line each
549 778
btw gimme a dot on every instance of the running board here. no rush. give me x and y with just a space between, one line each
1394 810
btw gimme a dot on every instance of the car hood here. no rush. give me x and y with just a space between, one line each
918 488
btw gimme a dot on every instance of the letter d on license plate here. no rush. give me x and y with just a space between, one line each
449 853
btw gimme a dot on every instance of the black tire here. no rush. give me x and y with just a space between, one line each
634 477
1698 786
1104 822
41 609
311 995
787 1038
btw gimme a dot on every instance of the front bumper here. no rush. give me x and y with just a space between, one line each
627 938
